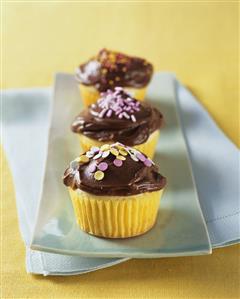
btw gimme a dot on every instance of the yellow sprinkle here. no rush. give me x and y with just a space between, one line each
105 147
98 175
123 152
114 151
117 79
83 159
111 82
121 158
77 159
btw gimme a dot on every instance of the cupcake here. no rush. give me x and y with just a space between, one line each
117 116
110 69
115 191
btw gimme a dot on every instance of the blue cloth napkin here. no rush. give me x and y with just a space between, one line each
214 158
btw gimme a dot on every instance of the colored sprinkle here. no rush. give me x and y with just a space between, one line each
117 102
148 163
99 155
122 151
105 154
89 154
99 175
83 159
105 147
141 157
114 151
117 163
92 167
94 149
134 158
103 166
121 158
133 118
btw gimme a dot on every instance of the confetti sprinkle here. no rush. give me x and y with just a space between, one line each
92 167
83 159
114 151
123 152
105 154
105 147
121 158
141 157
97 168
94 149
99 155
102 166
99 175
89 154
148 163
118 163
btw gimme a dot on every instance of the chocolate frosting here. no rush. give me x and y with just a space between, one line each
109 69
133 177
93 124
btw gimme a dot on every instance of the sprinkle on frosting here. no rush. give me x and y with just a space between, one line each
99 165
117 102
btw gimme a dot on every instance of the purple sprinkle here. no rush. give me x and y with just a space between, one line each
148 162
133 118
92 167
141 157
109 113
103 166
117 162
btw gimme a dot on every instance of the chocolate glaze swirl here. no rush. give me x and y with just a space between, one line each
131 178
109 69
113 129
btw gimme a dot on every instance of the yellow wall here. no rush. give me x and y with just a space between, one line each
197 41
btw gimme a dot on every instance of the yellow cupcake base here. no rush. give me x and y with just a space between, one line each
115 216
148 147
90 95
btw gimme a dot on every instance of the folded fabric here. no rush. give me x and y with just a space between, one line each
214 158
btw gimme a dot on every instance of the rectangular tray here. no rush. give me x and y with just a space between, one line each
180 229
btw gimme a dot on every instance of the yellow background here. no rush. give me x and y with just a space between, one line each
197 41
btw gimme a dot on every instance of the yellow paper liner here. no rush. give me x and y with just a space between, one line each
90 95
115 216
148 147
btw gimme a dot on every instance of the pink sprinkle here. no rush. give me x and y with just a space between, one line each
92 167
118 111
117 162
118 88
141 157
103 166
101 114
133 118
136 108
109 113
120 115
148 162
126 115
